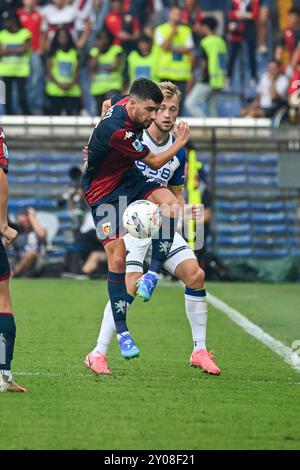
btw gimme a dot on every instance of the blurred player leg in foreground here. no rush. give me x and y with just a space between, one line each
7 321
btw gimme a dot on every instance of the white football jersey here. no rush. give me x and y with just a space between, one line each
172 173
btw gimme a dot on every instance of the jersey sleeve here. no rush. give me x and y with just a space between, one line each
129 144
3 152
177 180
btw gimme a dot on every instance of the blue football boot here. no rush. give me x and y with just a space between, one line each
127 347
146 285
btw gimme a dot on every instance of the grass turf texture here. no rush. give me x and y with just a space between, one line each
156 401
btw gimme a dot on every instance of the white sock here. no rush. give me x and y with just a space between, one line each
196 310
7 373
107 331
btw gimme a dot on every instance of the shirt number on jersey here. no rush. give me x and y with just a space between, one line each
163 173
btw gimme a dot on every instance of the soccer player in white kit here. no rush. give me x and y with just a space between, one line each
181 261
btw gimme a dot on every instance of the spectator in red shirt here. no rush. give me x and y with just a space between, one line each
123 25
294 89
192 16
290 38
32 20
242 28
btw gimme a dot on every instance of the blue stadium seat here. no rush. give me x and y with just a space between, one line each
231 180
269 218
61 180
15 205
230 158
262 170
270 254
63 215
241 240
232 206
232 229
265 159
267 206
63 168
241 218
60 158
228 107
231 170
27 169
258 180
232 253
270 243
28 179
279 229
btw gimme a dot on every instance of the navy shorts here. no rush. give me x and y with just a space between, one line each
4 264
108 211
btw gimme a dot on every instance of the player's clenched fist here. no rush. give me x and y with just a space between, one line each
9 235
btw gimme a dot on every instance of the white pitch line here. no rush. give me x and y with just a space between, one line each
287 354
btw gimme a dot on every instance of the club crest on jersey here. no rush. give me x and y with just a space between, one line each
128 135
106 228
138 145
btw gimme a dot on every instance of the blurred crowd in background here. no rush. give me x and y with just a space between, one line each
64 57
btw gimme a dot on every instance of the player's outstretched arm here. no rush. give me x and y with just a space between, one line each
156 161
8 233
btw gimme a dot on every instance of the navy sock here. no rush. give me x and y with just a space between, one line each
161 245
130 298
118 299
7 340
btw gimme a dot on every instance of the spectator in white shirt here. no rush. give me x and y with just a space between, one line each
61 13
272 92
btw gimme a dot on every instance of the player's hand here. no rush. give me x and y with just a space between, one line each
197 213
31 213
183 133
105 107
9 235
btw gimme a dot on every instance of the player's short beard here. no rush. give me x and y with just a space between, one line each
163 130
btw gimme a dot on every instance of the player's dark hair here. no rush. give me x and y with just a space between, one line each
210 22
145 89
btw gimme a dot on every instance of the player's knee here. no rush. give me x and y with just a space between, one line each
117 264
196 279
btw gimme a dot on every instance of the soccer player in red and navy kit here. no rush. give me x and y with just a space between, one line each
7 322
111 174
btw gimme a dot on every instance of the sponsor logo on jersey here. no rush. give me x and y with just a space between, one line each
106 228
138 145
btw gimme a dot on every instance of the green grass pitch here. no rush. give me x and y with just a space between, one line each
156 401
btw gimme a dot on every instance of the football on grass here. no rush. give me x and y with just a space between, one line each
142 219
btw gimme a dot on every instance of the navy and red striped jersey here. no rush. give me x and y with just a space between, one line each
3 152
114 146
250 6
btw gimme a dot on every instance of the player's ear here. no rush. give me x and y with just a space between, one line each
132 102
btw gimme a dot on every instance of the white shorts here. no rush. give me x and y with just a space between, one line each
139 251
